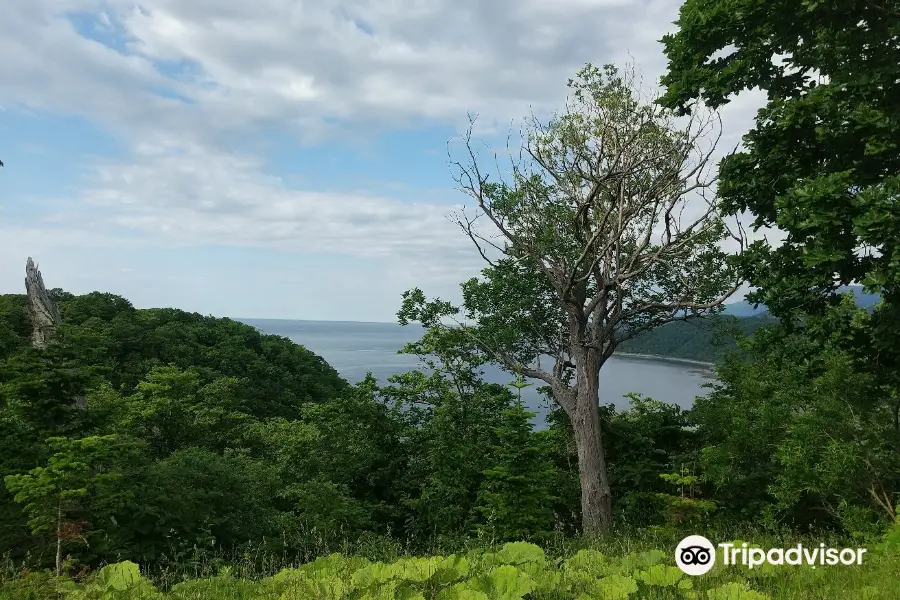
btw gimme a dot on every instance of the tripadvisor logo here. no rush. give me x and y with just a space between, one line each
696 555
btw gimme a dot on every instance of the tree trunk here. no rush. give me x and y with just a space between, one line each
59 564
596 498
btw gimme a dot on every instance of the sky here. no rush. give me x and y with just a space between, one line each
277 158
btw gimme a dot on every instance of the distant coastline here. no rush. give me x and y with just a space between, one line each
658 357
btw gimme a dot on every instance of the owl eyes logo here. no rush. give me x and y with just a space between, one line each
695 555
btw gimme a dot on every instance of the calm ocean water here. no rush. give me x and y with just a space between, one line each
356 348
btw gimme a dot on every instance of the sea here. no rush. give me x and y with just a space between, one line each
354 349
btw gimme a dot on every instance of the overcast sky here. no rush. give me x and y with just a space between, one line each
275 158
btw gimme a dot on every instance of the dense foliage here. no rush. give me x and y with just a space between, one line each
821 397
202 432
170 458
171 397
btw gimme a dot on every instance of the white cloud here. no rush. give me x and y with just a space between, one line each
207 197
315 69
297 64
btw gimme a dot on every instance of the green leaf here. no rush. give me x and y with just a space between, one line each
660 576
517 553
505 582
614 587
462 591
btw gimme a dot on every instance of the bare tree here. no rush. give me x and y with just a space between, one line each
610 206
43 310
45 315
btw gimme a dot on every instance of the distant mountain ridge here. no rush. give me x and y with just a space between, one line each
743 308
702 340
706 339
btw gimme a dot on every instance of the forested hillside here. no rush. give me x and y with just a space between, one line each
170 395
703 340
127 344
742 308
710 338
204 440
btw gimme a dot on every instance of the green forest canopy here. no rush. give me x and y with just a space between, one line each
132 342
202 434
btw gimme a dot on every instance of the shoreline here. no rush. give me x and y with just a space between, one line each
687 361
